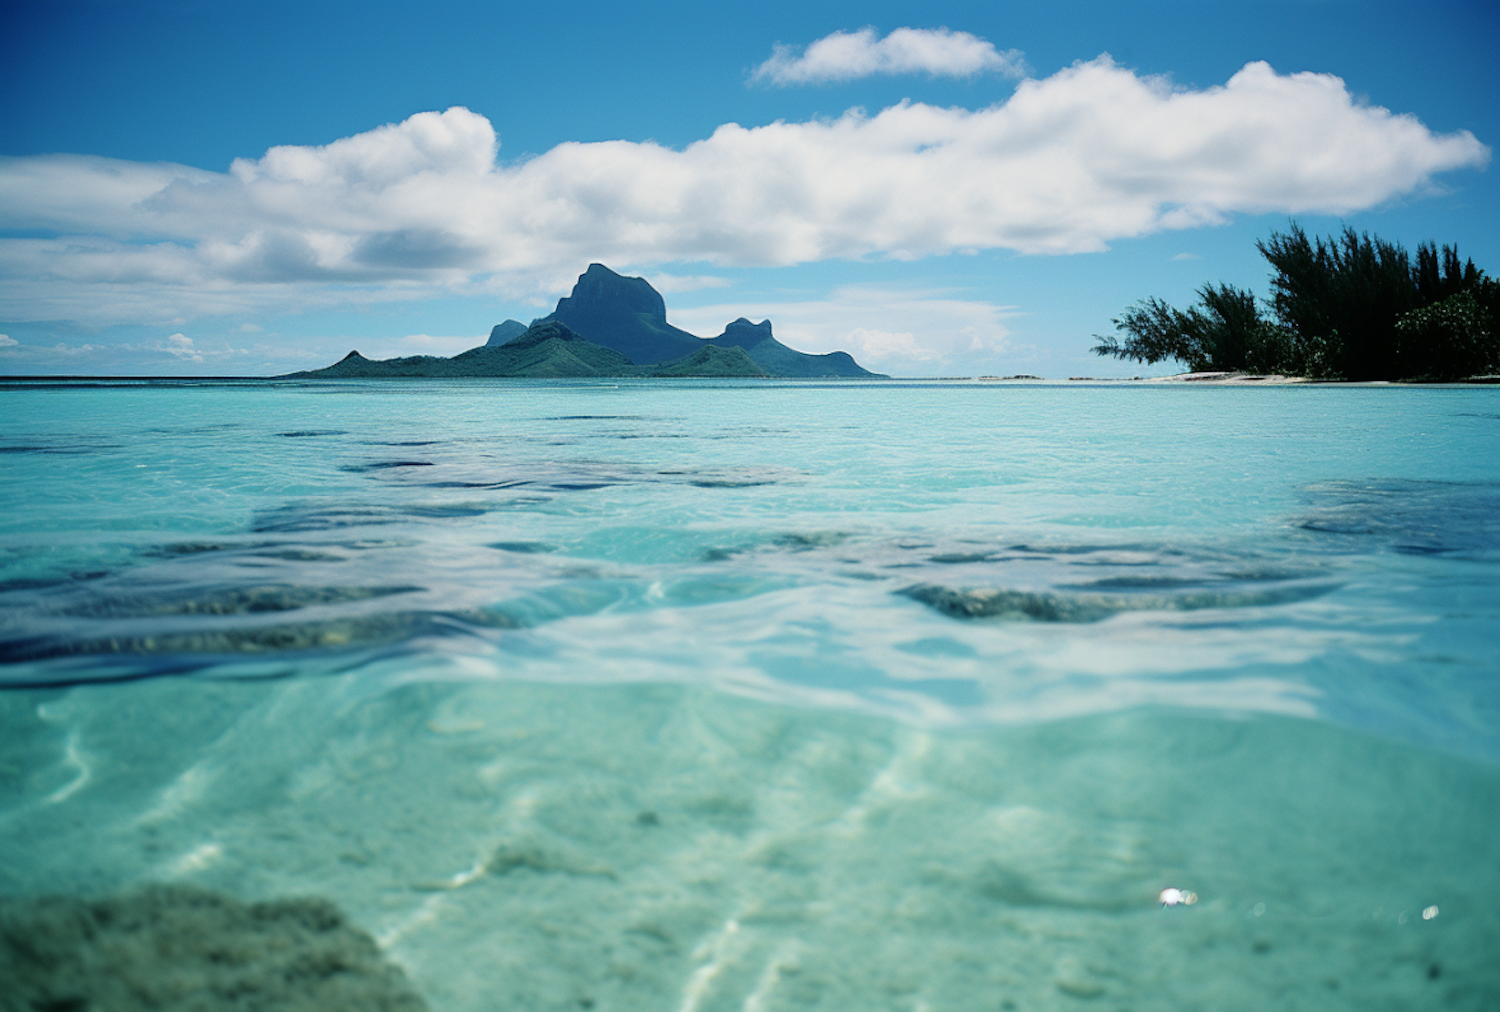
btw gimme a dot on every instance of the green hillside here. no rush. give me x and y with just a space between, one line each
712 361
543 351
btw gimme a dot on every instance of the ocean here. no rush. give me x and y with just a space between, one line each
760 695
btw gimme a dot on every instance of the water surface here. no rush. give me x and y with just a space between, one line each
767 695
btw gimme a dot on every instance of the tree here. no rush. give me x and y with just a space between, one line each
1351 306
1223 333
1344 297
1451 339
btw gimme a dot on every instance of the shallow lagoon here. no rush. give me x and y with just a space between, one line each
776 696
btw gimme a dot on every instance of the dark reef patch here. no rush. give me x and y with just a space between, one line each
46 582
1411 517
1046 606
383 465
199 647
230 601
299 518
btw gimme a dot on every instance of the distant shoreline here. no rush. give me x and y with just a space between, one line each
1202 378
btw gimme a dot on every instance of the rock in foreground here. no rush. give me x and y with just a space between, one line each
179 948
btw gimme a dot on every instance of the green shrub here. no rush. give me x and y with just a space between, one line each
1450 339
1351 306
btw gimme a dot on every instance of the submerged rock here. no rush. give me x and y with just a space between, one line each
1035 606
179 948
987 602
190 647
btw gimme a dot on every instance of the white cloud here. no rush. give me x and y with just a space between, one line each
887 330
669 283
62 348
180 346
173 354
6 341
845 56
1067 164
1187 256
885 345
430 344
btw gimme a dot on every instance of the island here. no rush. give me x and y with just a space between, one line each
609 325
1348 307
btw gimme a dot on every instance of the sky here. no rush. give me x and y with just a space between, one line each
222 187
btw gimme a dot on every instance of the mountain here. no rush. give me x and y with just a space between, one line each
630 316
507 331
543 350
625 314
356 366
779 360
609 326
712 361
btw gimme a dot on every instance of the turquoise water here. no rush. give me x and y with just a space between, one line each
776 696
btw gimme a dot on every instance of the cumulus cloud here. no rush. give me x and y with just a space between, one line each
6 341
173 354
845 56
670 283
72 351
1067 164
181 346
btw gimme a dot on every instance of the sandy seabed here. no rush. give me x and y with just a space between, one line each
527 846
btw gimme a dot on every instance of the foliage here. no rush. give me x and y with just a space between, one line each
1451 339
1355 286
1351 306
1225 332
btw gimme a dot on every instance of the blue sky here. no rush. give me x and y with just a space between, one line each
225 187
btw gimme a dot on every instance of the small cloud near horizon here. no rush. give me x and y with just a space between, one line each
848 56
181 346
6 341
1187 256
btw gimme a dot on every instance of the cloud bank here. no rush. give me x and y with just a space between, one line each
1067 164
845 56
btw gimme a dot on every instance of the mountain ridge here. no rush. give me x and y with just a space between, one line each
628 315
609 325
